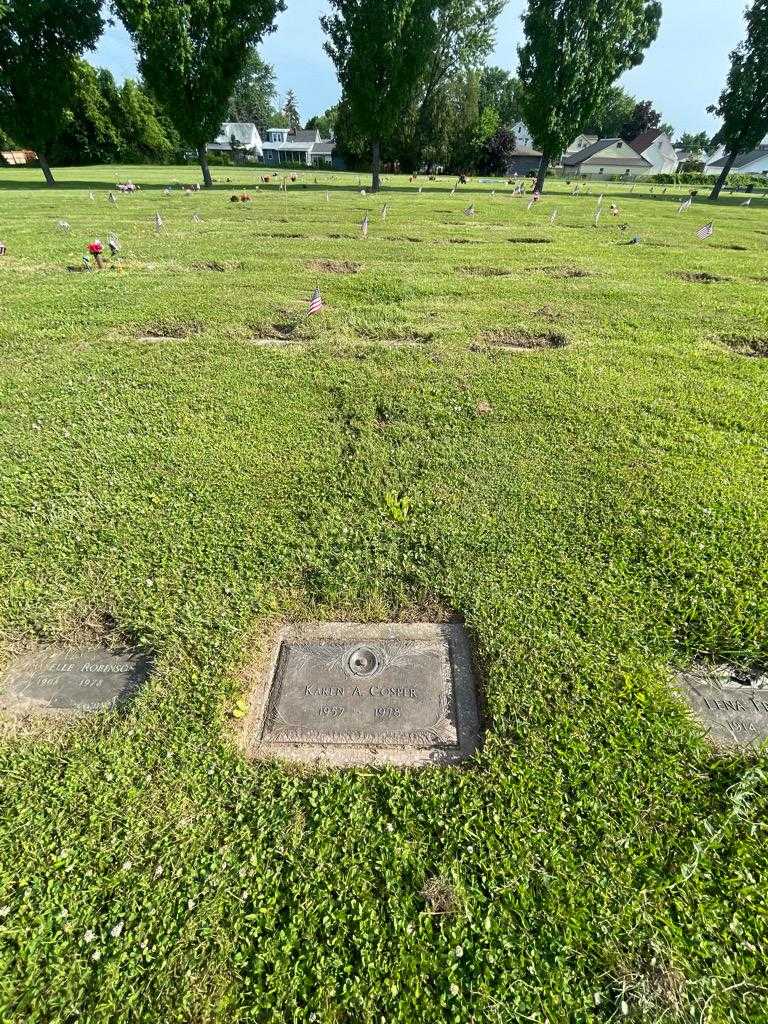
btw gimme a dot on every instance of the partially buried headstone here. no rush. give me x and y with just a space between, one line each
729 702
69 680
350 693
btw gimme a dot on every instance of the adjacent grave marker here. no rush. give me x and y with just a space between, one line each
72 680
351 693
731 704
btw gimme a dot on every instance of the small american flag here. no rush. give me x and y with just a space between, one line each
470 210
685 205
420 187
384 211
158 221
553 218
532 202
63 225
196 218
111 198
597 217
747 202
2 248
86 264
92 197
599 201
364 226
453 191
315 303
706 232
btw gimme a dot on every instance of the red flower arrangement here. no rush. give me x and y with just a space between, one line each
95 248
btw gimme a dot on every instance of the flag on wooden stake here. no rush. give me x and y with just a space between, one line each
384 211
63 225
553 218
92 197
685 205
599 201
747 202
196 218
158 221
706 232
470 210
364 226
2 249
315 303
111 198
597 217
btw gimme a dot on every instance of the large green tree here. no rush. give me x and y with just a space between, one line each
500 90
40 44
191 54
382 52
611 115
291 111
574 51
743 104
254 94
325 123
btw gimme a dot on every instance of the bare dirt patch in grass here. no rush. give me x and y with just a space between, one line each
530 241
464 241
756 348
734 248
274 334
166 331
564 272
700 277
484 271
334 266
392 340
519 341
439 896
219 266
401 238
334 235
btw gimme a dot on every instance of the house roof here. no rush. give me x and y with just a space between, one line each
743 158
645 139
632 159
326 146
305 135
524 151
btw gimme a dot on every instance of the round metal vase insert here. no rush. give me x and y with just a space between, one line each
363 661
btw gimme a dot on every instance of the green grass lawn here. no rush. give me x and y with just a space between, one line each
596 513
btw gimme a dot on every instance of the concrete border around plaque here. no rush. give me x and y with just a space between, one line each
730 703
70 680
347 693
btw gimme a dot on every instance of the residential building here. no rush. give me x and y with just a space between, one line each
581 142
524 160
281 146
607 158
523 138
656 147
754 162
239 137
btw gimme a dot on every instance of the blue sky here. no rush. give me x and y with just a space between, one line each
682 73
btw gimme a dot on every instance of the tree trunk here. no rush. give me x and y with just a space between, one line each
44 167
543 165
723 176
375 166
202 156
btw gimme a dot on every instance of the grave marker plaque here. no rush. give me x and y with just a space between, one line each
730 703
348 693
72 680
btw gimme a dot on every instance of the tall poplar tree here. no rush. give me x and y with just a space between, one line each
191 54
574 51
381 49
40 44
743 104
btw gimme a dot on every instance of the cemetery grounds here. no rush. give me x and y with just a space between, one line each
188 460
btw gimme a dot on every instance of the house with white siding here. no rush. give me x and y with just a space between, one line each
754 162
606 159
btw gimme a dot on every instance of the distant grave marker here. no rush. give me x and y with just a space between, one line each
731 704
72 680
350 693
